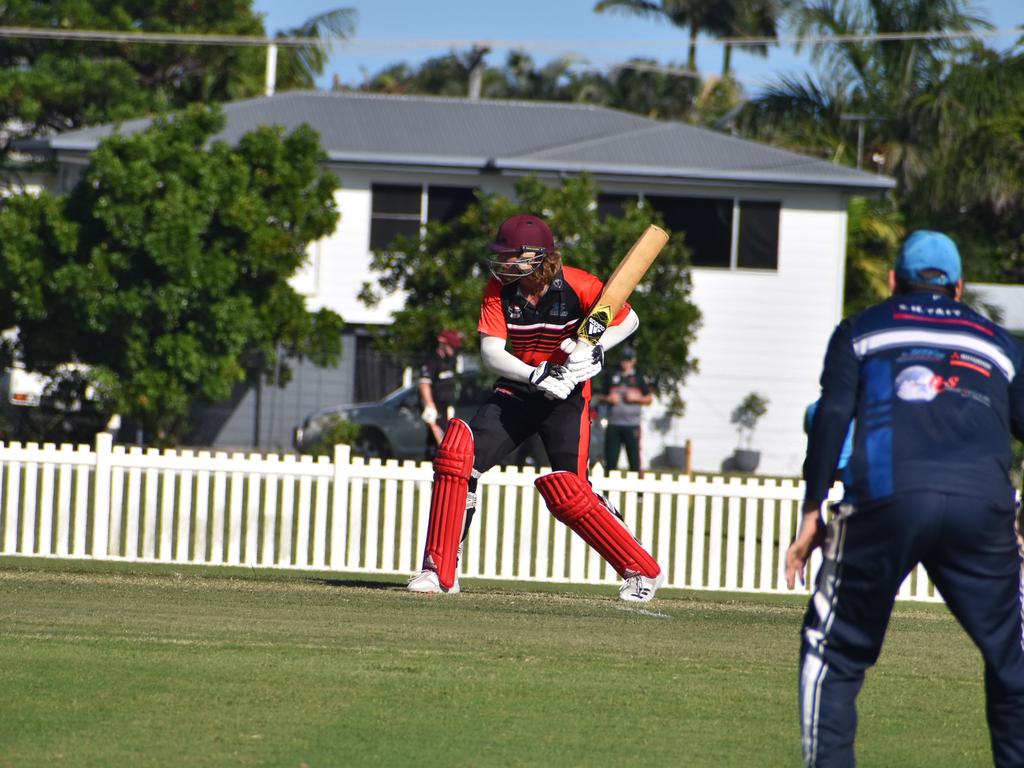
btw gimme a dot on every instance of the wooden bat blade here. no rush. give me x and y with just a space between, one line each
620 285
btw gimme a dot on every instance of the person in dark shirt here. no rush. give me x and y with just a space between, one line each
936 390
528 320
626 392
437 387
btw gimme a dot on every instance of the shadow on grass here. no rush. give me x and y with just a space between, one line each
359 584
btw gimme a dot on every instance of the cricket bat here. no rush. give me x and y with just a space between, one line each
620 285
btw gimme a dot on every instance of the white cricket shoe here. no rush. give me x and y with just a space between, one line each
639 589
426 582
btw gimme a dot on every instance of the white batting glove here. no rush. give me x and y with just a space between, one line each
553 380
429 414
585 360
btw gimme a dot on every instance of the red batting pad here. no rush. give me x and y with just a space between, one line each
453 465
573 502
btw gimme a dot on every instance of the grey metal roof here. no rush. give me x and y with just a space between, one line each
513 136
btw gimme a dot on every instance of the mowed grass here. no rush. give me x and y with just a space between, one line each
134 666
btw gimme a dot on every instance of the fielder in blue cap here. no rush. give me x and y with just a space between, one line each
928 258
937 393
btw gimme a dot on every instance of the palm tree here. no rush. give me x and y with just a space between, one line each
711 16
975 178
876 82
874 230
298 66
754 18
718 18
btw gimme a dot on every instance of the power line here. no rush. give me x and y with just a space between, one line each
164 38
159 38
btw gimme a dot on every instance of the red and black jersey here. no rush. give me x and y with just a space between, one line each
535 332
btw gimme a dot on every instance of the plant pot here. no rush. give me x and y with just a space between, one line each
675 457
744 460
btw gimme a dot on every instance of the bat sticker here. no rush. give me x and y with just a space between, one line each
596 324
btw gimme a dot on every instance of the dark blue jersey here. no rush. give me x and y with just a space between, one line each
936 390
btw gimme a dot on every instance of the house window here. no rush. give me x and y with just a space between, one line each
395 211
707 223
708 226
613 204
447 203
758 246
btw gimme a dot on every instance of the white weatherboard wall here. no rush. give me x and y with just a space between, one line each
340 263
764 332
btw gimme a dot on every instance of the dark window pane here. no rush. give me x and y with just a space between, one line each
613 204
383 231
396 198
758 247
447 203
706 221
396 211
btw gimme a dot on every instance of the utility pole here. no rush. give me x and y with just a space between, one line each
476 70
861 119
270 80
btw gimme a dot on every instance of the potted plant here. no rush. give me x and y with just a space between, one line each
745 416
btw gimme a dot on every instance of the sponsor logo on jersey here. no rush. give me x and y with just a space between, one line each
917 384
920 309
973 362
921 353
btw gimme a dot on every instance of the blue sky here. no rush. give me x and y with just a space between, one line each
391 31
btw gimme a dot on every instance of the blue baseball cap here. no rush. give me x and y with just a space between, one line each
925 250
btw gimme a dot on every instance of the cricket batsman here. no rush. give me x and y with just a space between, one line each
531 310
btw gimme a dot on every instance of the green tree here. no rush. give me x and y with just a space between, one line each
974 181
444 274
941 115
718 18
166 268
59 85
872 85
298 65
641 86
874 231
697 16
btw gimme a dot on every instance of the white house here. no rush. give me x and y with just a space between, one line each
767 228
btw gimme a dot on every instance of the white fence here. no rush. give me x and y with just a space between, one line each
111 503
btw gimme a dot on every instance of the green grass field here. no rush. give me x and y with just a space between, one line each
154 666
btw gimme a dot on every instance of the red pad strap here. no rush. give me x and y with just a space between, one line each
572 501
453 466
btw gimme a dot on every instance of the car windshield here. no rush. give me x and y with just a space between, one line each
399 394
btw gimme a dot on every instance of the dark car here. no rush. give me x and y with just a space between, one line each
391 428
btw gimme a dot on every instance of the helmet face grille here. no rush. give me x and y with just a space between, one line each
509 270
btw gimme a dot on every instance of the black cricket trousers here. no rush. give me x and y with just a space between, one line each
970 552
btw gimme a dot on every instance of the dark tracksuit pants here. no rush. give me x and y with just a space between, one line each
970 551
617 436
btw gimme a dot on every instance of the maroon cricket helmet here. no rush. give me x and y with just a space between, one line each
523 232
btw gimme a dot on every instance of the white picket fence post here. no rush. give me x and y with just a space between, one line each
339 505
349 514
101 494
